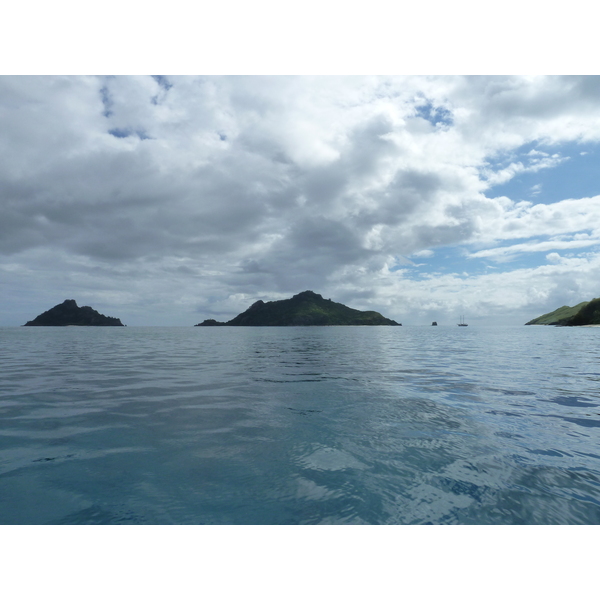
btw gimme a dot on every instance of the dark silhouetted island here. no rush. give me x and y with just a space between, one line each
68 313
306 308
584 313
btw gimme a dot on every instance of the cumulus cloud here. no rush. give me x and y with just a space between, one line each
206 193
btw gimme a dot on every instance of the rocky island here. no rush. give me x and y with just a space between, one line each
305 308
68 313
584 313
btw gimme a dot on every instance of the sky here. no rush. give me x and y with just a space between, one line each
167 200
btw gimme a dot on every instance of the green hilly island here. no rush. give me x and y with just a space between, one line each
305 308
584 313
69 314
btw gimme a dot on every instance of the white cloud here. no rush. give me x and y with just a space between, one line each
512 297
535 190
507 220
533 247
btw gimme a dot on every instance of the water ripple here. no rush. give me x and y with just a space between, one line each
299 425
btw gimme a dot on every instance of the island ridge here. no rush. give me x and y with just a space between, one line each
68 313
584 313
305 308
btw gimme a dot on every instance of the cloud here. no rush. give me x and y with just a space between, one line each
502 252
208 192
535 164
535 189
424 253
553 257
511 220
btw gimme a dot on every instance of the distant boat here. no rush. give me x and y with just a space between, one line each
434 323
462 322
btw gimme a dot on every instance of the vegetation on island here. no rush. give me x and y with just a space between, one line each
588 315
584 313
305 308
68 313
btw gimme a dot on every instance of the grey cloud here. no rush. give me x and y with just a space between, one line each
368 146
163 82
323 185
308 255
324 236
107 101
326 187
524 107
312 247
409 199
425 236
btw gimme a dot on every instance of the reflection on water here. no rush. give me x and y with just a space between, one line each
300 425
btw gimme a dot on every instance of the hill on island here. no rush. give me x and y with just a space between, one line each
68 313
584 313
305 308
587 315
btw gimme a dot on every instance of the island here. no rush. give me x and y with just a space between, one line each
68 313
584 313
305 308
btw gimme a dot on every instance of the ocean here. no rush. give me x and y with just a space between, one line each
300 425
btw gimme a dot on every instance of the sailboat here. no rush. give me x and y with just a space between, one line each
462 322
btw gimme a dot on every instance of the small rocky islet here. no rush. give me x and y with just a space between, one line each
304 309
69 314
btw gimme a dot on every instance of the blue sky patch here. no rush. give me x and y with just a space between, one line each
163 82
106 101
435 115
124 133
576 177
120 133
456 259
443 261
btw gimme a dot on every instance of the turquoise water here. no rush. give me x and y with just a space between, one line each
314 425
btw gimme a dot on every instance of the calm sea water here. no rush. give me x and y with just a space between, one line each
302 425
